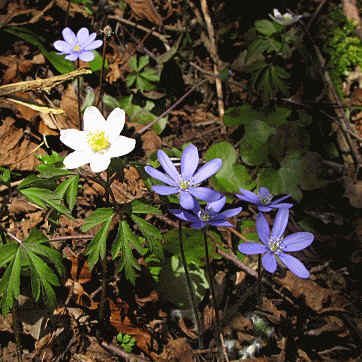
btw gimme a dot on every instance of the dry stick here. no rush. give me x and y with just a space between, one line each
214 56
41 84
189 285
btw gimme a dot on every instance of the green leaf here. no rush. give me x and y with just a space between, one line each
245 114
10 283
36 235
265 27
133 64
47 171
130 79
35 180
150 74
143 61
53 159
270 178
96 64
143 84
152 235
99 216
231 175
39 196
72 192
139 207
97 246
253 147
7 252
110 101
122 244
255 50
193 242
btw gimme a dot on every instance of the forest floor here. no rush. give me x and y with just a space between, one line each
315 319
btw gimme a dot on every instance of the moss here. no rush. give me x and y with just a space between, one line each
343 48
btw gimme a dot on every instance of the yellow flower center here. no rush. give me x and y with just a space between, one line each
76 48
97 141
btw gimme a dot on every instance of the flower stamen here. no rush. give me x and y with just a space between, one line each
76 48
97 141
275 244
203 216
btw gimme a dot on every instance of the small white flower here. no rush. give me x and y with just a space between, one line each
285 19
98 142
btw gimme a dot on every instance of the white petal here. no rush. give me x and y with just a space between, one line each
93 119
77 159
74 139
121 146
115 123
99 162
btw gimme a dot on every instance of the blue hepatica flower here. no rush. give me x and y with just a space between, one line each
211 215
263 199
78 46
186 184
275 245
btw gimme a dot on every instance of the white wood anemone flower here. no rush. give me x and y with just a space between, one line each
98 142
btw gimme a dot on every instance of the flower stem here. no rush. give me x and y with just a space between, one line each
260 272
212 288
189 285
19 349
101 75
104 265
78 99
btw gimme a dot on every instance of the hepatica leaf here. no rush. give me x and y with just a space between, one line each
231 176
254 147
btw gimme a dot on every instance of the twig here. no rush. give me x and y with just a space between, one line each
214 56
120 352
41 84
163 38
315 14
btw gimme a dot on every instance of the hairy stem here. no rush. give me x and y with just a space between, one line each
189 284
19 349
78 98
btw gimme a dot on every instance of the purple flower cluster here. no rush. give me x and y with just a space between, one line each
78 46
186 184
275 245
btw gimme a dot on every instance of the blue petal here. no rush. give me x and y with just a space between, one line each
262 228
214 207
168 166
165 190
189 162
280 199
69 36
62 46
227 213
220 223
204 193
280 206
280 223
264 191
160 176
252 248
269 262
297 241
86 56
184 215
264 208
248 196
186 200
294 265
207 170
72 56
198 225
82 36
93 45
